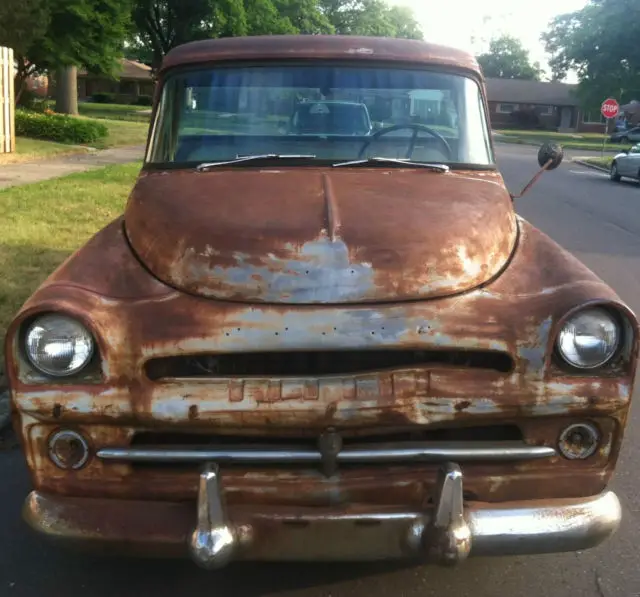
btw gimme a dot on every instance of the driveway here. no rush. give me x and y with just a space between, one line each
28 172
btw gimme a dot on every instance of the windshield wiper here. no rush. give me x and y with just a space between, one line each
251 158
403 162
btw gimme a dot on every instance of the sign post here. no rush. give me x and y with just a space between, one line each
609 109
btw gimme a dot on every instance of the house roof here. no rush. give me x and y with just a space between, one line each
309 47
129 69
518 91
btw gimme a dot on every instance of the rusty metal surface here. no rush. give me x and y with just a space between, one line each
341 237
517 313
329 47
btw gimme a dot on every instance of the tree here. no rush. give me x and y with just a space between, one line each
600 43
160 25
264 18
305 16
60 35
507 59
88 33
404 23
22 24
370 17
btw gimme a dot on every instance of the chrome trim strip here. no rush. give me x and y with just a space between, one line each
424 452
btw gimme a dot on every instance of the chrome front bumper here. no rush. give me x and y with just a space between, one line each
446 532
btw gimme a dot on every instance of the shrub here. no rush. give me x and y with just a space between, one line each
103 98
59 127
28 99
143 100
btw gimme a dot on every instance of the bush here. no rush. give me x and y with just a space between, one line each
28 99
143 100
59 127
103 98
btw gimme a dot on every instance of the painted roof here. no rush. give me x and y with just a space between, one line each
129 69
519 91
309 47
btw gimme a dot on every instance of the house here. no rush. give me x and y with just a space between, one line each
555 104
133 80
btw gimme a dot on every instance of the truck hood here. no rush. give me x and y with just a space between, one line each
313 236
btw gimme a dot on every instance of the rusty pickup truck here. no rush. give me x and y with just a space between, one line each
322 346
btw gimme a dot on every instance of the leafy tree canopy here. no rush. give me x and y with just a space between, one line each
163 24
50 34
601 43
507 59
371 17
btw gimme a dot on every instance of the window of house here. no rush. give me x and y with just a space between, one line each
545 110
507 108
592 117
127 87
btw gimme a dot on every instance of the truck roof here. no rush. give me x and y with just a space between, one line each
310 47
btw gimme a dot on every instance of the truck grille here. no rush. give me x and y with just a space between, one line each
321 363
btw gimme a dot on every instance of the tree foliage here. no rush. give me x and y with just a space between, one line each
371 17
601 43
22 24
54 34
305 16
163 24
508 59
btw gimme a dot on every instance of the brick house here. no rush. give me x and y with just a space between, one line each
133 80
554 103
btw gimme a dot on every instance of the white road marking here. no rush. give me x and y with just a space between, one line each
590 173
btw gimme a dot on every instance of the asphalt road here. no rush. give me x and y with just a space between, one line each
598 221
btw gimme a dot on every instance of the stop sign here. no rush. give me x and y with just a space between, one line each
610 108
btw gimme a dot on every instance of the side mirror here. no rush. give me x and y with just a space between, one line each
550 156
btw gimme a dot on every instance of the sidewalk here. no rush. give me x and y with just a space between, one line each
28 172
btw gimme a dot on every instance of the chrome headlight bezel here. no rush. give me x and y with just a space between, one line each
41 320
598 311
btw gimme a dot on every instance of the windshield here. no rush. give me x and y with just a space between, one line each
324 111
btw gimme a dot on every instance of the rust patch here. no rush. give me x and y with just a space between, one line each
309 244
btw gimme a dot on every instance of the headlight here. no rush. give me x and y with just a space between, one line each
589 339
58 345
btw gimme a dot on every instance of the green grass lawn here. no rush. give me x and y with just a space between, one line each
602 162
34 149
43 223
115 111
586 141
123 132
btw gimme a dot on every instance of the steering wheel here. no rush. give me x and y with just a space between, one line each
416 128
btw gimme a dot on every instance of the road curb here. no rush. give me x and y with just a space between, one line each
592 166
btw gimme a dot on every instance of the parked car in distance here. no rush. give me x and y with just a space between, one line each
322 345
628 136
626 165
330 117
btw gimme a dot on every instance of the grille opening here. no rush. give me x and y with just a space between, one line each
320 363
488 433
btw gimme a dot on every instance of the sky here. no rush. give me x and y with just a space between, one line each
470 24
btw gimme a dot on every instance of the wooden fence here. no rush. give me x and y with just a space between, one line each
7 122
